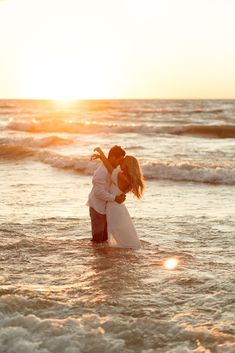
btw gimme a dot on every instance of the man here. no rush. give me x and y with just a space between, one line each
100 195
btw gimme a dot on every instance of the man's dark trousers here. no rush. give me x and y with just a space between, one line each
98 226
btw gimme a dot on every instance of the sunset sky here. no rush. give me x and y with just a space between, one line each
78 49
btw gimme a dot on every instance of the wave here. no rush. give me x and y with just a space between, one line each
60 126
7 105
197 130
78 127
175 171
14 152
219 131
34 142
212 173
203 111
217 173
160 110
20 148
82 164
212 131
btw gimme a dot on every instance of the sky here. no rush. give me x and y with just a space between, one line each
101 49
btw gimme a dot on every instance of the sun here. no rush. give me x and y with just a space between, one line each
66 78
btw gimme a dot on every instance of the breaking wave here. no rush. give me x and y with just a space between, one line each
80 127
14 152
164 170
90 332
19 148
34 142
223 173
212 173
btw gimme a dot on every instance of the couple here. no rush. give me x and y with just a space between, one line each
117 175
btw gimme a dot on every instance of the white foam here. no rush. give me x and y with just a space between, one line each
191 171
182 348
82 164
30 334
220 173
165 170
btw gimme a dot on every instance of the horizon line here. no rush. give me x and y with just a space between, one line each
108 99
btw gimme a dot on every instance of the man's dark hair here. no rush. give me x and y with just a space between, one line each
116 151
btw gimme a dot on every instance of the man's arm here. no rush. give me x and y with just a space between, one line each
99 183
103 158
100 192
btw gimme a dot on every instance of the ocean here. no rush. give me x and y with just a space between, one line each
61 294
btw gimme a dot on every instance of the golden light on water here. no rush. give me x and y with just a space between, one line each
64 103
171 263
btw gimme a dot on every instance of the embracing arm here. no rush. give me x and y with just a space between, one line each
100 191
104 159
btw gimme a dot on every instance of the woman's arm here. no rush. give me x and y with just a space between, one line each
123 183
103 158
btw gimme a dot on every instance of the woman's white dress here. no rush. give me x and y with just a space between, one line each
121 230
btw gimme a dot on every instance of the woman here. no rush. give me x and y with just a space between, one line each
126 178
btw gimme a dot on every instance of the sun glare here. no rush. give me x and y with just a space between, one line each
171 264
63 103
63 78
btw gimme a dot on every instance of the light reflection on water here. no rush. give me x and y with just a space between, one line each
171 264
60 294
114 293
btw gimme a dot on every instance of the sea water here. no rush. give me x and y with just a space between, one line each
60 294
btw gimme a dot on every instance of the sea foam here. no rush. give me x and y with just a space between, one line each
212 173
92 333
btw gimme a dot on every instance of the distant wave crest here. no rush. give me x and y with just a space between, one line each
36 142
219 131
197 130
19 148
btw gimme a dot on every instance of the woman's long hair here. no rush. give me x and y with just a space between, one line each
136 175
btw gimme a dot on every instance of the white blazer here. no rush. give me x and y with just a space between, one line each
100 194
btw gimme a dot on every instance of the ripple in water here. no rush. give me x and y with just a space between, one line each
64 295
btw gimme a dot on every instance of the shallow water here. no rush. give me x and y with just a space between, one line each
60 294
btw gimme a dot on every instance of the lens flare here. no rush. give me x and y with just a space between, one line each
171 264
